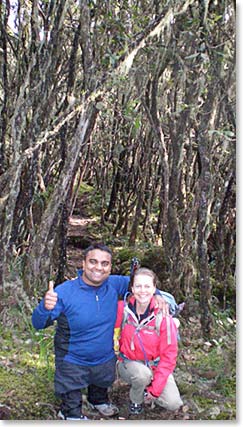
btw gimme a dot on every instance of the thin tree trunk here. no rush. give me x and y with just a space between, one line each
41 247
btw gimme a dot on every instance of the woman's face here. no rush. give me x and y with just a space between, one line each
143 288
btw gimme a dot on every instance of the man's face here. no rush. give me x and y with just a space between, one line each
96 267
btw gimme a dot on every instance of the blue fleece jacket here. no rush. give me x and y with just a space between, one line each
85 317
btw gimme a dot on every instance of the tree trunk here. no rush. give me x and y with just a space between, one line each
203 220
41 248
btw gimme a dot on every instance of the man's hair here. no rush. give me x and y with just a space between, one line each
99 246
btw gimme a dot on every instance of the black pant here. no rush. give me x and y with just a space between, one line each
72 401
97 395
70 379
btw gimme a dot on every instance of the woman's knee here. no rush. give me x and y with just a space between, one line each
174 405
171 403
141 373
170 398
135 372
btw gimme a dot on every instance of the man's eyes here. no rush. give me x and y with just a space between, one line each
104 263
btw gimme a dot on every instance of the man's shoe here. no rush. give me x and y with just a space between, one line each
63 417
106 409
135 408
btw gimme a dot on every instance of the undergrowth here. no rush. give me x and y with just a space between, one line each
205 373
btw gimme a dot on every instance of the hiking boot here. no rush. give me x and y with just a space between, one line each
135 408
63 417
106 409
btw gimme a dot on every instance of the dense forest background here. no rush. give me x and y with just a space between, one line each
126 108
137 100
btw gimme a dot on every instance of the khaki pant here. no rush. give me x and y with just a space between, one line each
139 376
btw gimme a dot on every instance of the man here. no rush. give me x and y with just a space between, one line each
85 309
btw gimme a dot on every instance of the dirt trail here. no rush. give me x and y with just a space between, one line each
78 235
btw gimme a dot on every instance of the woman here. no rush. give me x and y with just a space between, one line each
147 353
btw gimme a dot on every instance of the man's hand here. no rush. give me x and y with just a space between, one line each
162 304
50 298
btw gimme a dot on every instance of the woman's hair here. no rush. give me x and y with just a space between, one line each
147 272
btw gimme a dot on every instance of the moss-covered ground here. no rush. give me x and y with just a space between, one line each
205 373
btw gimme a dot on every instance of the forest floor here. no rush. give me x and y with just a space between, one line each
205 372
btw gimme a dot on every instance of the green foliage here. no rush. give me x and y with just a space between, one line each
21 392
227 383
40 199
213 364
208 384
191 65
205 373
155 259
27 370
126 254
224 291
85 188
15 267
123 257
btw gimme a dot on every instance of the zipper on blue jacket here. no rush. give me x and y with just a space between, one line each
97 299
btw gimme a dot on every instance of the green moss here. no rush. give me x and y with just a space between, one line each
155 259
27 393
126 254
27 370
188 389
85 188
227 384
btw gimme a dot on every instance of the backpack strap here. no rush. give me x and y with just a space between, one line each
168 329
138 326
125 316
159 318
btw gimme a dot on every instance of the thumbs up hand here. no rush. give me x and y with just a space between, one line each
50 298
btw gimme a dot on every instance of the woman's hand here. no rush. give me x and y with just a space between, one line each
148 398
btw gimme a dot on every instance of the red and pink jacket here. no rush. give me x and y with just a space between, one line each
144 343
